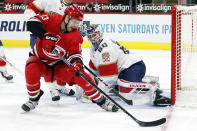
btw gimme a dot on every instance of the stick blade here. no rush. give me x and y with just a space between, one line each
152 123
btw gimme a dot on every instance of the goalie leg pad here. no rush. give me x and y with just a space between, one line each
138 90
150 79
135 90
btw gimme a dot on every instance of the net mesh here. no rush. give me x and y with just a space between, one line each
186 56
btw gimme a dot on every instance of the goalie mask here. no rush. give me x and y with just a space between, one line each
95 35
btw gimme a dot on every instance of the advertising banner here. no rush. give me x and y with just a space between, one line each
126 28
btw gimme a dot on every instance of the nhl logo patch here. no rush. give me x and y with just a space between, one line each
106 57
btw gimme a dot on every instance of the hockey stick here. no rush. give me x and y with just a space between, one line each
129 102
141 123
19 71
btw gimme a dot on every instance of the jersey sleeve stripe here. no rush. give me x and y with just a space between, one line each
74 57
110 69
124 89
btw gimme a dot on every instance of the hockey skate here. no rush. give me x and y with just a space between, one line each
106 104
55 95
32 103
160 100
67 91
7 76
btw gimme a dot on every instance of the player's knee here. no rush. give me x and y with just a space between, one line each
32 72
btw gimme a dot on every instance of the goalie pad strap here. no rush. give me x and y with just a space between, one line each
129 84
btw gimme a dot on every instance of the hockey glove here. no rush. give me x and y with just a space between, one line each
77 67
49 42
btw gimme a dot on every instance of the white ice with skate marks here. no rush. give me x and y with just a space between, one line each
71 115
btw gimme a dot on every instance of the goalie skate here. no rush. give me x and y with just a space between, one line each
106 104
160 100
6 76
31 104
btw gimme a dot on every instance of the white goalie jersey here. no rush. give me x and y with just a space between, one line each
110 59
45 6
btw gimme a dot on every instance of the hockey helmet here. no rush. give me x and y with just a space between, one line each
67 2
94 34
74 11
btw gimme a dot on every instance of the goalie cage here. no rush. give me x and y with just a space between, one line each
184 56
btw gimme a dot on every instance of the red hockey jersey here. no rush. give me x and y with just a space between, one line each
68 44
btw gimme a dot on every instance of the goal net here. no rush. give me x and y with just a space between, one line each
184 56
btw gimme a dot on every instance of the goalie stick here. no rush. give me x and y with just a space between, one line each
11 65
129 102
141 123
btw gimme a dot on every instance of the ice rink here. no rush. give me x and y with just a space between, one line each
71 115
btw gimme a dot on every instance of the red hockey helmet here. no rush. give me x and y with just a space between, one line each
73 11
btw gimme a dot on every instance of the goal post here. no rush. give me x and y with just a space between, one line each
184 55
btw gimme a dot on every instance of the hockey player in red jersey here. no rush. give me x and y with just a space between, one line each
57 7
3 64
56 32
120 68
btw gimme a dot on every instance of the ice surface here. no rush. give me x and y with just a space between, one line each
71 115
